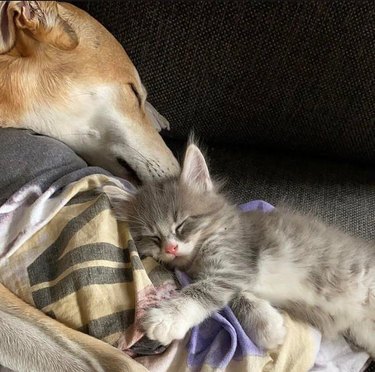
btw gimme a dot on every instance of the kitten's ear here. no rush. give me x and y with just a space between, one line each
195 171
119 199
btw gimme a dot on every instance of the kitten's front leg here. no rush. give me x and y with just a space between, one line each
260 320
173 318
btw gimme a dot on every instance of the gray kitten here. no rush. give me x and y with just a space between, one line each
254 261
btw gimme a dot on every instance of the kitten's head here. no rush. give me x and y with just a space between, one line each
170 220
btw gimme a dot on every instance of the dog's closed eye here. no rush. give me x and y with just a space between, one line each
136 93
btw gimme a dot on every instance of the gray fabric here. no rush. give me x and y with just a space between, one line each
26 156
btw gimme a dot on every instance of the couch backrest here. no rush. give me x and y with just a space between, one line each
297 75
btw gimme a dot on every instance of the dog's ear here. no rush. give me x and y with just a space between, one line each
7 26
158 120
37 19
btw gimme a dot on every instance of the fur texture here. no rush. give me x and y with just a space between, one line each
260 262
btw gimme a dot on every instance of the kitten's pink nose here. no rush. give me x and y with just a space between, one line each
171 248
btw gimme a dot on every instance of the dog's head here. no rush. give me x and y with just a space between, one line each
62 74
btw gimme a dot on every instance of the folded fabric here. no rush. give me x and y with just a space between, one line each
337 356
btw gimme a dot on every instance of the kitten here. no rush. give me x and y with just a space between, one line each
253 261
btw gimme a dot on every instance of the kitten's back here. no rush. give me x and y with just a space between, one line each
329 258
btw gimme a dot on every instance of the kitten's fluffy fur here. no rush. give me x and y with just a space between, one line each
255 261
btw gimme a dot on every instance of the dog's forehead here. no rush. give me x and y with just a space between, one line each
98 48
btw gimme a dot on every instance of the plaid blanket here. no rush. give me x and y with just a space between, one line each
63 252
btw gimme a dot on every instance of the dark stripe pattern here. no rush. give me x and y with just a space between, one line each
109 324
83 197
49 266
86 253
78 279
43 268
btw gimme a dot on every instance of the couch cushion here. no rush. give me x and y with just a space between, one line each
293 75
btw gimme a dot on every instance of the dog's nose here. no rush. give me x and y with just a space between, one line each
171 248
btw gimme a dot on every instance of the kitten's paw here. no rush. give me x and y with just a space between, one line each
165 324
273 333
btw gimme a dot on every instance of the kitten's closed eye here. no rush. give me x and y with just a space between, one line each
147 238
187 227
155 239
180 227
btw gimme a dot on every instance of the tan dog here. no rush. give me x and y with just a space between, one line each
62 74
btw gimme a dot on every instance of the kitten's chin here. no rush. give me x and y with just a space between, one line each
180 262
174 261
168 258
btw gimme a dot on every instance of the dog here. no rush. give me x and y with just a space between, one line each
63 75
